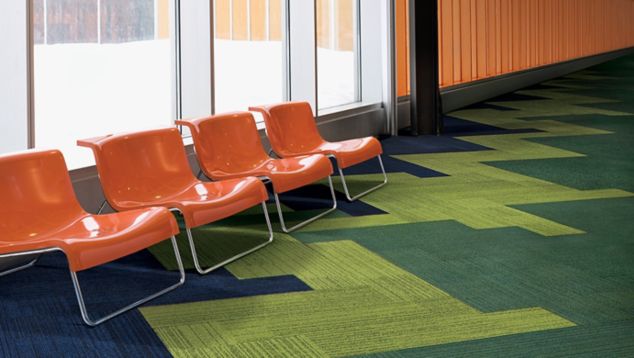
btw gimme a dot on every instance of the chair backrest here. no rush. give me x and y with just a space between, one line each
36 195
291 127
227 143
142 166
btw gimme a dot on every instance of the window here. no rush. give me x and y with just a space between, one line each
100 66
249 55
337 57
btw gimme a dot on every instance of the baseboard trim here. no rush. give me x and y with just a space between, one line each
462 95
459 96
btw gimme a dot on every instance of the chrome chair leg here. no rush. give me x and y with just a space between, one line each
19 268
102 206
306 222
82 306
234 258
345 186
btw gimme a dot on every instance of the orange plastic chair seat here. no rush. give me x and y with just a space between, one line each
93 240
205 202
40 211
286 174
229 146
150 168
292 131
352 151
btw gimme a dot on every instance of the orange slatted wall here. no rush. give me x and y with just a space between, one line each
485 38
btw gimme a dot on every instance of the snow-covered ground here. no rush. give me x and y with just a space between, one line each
336 78
247 73
87 90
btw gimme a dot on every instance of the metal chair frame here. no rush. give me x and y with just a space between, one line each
308 221
345 185
18 268
192 245
78 293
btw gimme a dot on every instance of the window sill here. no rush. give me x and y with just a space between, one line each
334 113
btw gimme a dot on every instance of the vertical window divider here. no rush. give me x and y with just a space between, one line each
176 46
302 52
30 74
358 52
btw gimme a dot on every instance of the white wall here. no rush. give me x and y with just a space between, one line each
13 75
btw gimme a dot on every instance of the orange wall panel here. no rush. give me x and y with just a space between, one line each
257 21
275 20
163 10
222 19
323 23
445 51
345 25
481 38
402 48
486 38
239 23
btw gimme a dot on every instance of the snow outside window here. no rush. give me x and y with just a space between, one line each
99 67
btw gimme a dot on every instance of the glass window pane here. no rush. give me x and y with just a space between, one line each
337 70
248 53
100 67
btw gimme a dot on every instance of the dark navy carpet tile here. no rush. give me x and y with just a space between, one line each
514 97
427 144
457 127
484 105
39 315
391 165
317 197
542 86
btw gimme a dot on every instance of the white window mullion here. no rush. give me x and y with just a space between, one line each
302 52
196 39
98 21
15 75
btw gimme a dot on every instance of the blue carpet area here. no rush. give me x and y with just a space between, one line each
513 97
427 144
485 105
317 197
392 165
40 316
457 127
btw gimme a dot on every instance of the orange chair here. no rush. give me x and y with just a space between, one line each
229 146
40 214
292 131
150 168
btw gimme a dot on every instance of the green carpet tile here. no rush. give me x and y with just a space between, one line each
524 249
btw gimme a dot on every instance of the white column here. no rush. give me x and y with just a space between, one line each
196 58
302 52
387 36
14 75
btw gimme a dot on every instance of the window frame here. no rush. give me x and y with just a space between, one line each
192 34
